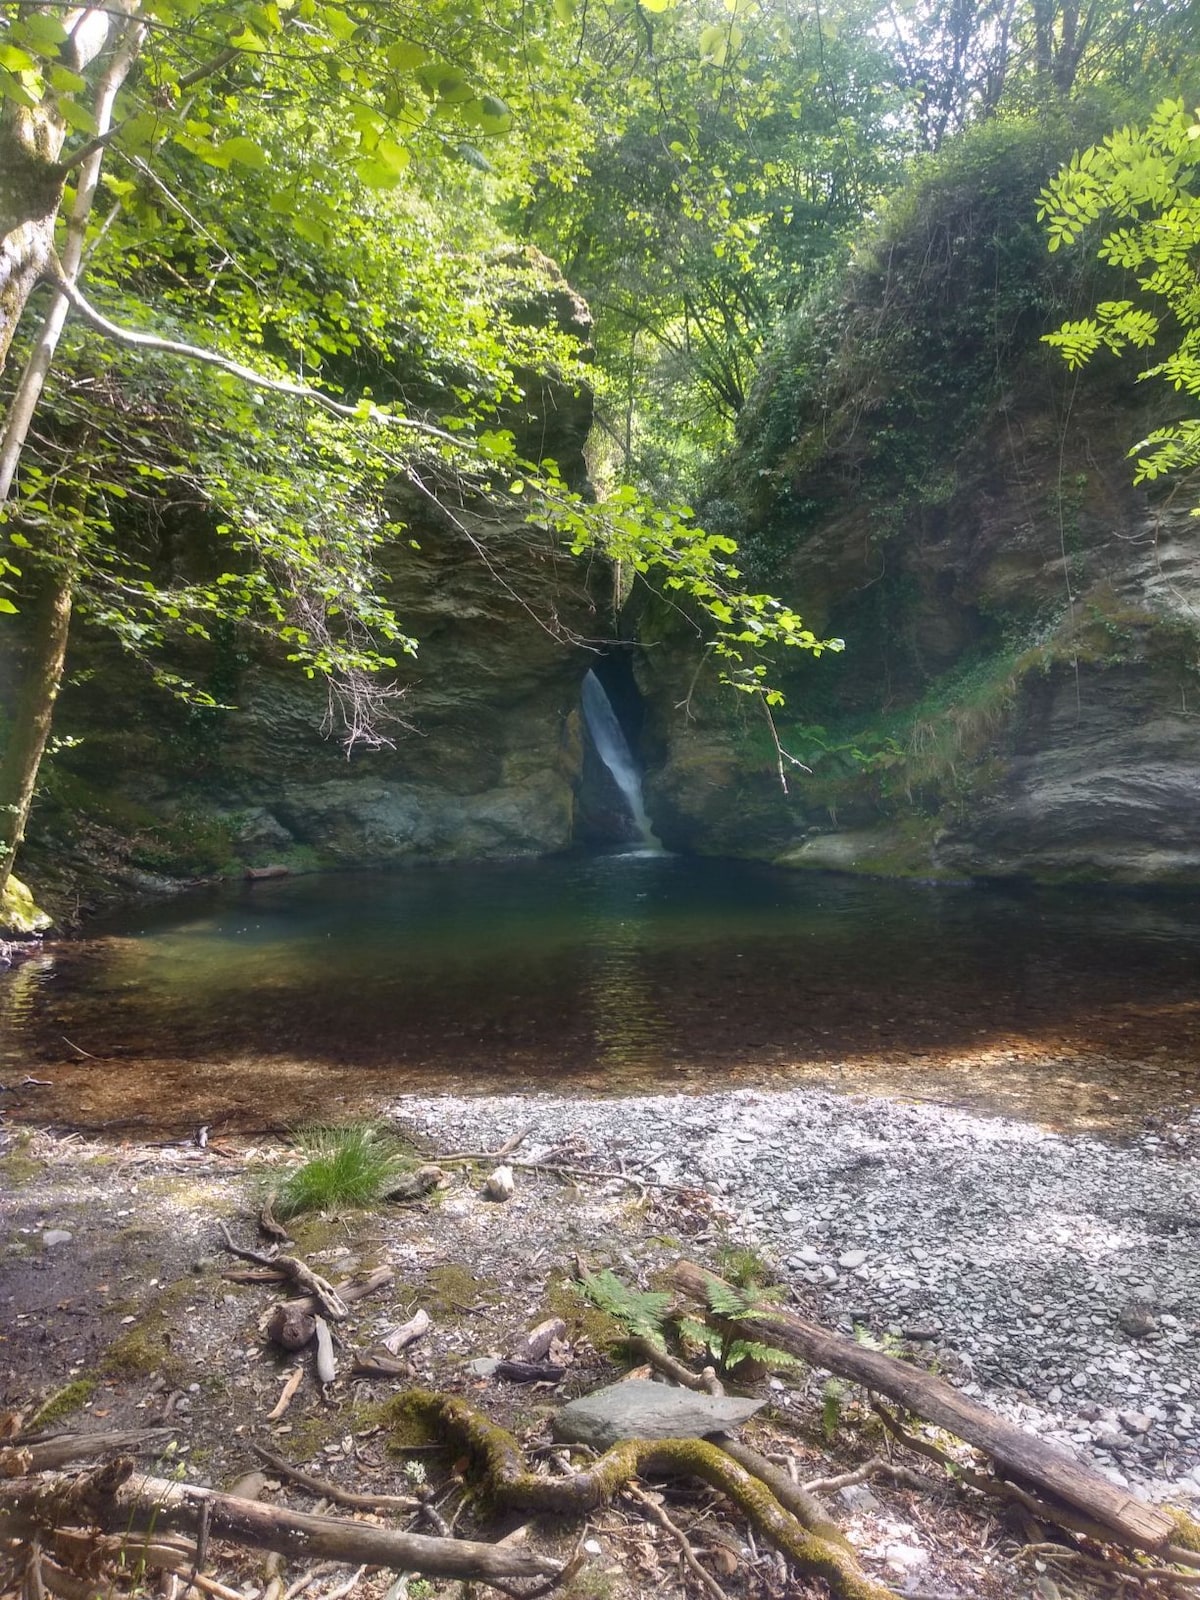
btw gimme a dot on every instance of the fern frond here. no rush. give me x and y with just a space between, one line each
642 1311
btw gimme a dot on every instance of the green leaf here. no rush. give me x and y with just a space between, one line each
246 153
405 55
14 60
495 116
7 607
44 34
76 116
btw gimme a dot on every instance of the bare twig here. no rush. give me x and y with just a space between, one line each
876 1467
295 1379
657 1514
332 1491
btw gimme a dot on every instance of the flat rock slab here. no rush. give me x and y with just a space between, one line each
640 1409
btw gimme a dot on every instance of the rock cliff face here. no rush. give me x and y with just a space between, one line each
1020 689
487 766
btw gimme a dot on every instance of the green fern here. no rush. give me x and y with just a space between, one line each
832 1396
642 1311
724 1300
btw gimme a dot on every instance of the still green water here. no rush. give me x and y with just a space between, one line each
629 972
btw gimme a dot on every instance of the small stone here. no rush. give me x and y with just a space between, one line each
1079 1380
859 1498
500 1185
56 1236
592 1546
1135 1421
483 1366
852 1259
922 1332
1136 1319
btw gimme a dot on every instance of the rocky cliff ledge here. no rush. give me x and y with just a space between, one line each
1019 694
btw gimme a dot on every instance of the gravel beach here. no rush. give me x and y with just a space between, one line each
1057 1276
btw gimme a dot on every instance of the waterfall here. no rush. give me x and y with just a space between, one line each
613 749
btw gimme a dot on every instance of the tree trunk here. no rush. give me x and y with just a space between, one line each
31 189
34 711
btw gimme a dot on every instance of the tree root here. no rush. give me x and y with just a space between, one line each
499 1462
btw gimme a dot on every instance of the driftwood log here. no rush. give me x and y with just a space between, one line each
1129 1520
139 1504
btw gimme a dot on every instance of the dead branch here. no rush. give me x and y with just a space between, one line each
295 1379
506 1149
26 1456
876 1467
705 1382
326 1490
309 1282
326 1362
139 1503
1130 1521
350 1290
417 1326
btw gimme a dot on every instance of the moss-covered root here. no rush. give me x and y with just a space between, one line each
498 1461
1186 1529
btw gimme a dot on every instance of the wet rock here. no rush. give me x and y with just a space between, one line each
640 1409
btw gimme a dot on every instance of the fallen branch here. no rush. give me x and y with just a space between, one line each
295 1379
876 1467
506 1149
326 1490
417 1326
138 1503
23 1457
663 1361
1128 1520
309 1282
350 1290
326 1363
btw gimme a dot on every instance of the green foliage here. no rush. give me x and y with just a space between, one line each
833 1395
643 1312
349 1166
881 375
1147 181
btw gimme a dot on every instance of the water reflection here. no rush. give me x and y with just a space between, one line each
614 972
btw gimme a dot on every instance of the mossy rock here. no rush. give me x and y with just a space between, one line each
19 912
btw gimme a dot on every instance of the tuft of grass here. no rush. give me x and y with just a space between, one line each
349 1166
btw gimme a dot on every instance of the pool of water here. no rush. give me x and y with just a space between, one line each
287 997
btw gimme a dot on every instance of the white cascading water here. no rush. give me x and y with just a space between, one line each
613 749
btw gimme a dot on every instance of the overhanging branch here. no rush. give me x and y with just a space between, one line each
134 339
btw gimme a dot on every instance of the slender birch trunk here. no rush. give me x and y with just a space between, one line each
34 711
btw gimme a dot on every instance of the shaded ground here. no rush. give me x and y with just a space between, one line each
1106 1079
